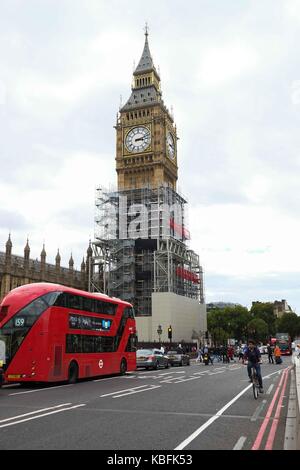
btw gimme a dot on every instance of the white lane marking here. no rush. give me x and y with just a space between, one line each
112 378
270 389
258 411
158 376
34 412
216 372
171 380
202 428
11 385
40 390
172 372
126 390
201 373
179 381
240 443
41 416
152 387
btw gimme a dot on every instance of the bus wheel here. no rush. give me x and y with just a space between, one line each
123 366
73 373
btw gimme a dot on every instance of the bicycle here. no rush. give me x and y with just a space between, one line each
254 380
255 383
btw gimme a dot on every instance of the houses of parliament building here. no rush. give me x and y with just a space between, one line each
18 270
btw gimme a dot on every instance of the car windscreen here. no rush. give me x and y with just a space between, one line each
144 352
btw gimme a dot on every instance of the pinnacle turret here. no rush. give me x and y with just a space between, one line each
71 262
27 250
8 246
57 258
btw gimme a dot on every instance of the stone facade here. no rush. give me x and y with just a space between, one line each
146 147
17 270
281 307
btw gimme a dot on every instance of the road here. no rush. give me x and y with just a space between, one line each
183 408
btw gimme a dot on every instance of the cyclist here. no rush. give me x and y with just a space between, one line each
253 358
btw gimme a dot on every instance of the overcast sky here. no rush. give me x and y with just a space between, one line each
231 71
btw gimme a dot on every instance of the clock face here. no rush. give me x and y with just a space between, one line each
138 139
171 145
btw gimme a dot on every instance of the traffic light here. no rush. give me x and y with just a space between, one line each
170 332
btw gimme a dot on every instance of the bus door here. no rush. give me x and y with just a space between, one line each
57 355
2 351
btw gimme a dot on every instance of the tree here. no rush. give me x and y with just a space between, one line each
265 311
237 318
289 323
230 322
219 336
257 330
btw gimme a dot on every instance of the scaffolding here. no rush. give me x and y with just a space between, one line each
140 213
177 269
141 246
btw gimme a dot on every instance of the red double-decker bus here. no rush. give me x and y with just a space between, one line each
52 333
283 340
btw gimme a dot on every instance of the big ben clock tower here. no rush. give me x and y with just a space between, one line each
141 245
146 154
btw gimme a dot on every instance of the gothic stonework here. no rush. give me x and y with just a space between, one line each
146 141
16 270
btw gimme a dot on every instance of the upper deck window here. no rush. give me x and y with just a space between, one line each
86 304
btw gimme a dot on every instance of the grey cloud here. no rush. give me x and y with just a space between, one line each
79 216
263 287
13 221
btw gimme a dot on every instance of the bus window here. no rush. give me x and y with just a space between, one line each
15 330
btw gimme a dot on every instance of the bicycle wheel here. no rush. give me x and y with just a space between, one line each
254 385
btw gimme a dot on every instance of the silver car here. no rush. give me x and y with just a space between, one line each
151 358
178 358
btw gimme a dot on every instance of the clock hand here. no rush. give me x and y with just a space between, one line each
140 138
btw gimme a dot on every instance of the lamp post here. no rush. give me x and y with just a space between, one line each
159 332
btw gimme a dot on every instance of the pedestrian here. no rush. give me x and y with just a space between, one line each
240 353
270 354
225 355
230 353
211 356
199 355
277 354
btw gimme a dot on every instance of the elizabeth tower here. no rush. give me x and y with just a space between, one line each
146 153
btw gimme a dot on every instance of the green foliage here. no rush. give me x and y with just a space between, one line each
289 323
230 322
258 330
264 311
260 323
219 336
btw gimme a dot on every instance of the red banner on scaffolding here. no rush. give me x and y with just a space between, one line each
180 230
188 275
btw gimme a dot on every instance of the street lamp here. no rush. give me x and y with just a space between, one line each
159 332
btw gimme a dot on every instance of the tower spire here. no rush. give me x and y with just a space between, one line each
146 62
146 29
